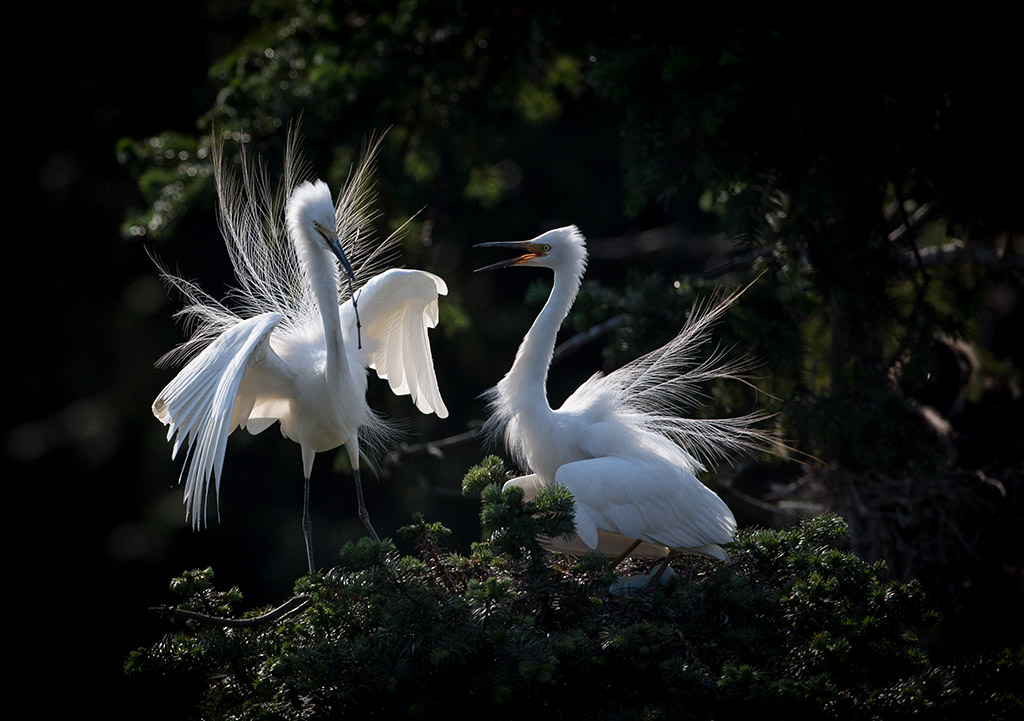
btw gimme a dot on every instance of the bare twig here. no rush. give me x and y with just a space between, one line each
957 252
435 448
286 609
910 222
743 261
593 333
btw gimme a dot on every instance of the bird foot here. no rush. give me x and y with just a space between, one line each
365 518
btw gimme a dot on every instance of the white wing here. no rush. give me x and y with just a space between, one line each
396 308
654 502
198 406
610 544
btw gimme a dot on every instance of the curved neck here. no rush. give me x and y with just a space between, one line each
322 272
526 382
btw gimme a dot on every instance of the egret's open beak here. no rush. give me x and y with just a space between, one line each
533 250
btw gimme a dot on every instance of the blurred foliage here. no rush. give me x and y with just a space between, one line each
793 624
806 148
445 78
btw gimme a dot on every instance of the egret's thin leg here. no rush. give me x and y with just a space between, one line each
307 525
364 515
656 578
625 554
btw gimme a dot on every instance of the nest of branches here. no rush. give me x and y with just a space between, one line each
960 533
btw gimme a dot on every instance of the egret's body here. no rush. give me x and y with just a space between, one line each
297 351
617 442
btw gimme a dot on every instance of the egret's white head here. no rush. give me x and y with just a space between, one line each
561 249
310 216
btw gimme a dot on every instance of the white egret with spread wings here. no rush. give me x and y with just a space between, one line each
296 346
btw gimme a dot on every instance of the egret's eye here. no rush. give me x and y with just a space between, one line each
316 225
546 248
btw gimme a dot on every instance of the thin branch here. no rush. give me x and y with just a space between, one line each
434 448
286 609
579 340
958 252
743 261
911 222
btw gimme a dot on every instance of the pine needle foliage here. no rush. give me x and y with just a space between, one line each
793 624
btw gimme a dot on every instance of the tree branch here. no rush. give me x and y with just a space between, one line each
288 608
579 340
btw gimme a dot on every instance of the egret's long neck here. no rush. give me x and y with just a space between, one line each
322 271
526 383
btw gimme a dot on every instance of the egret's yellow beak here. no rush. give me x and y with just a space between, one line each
532 248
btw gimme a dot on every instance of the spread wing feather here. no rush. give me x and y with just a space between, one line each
198 405
396 308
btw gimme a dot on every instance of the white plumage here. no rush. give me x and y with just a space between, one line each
296 348
618 442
